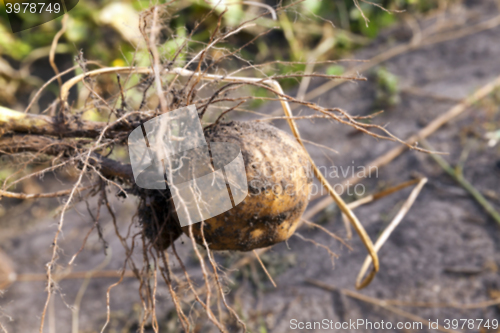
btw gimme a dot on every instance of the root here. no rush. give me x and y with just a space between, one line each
332 254
207 281
217 279
331 234
265 269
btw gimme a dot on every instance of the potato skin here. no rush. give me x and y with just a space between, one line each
279 178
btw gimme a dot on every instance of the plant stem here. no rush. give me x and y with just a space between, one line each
464 183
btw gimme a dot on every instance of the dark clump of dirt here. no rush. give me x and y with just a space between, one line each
158 217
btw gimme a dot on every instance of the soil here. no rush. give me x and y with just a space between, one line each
446 250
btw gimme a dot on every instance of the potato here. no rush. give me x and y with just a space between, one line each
279 178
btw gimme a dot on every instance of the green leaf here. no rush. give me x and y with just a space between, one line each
312 5
77 30
335 70
12 46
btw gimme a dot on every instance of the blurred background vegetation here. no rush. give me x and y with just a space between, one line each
107 32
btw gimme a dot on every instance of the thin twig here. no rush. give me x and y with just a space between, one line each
470 306
53 48
331 234
24 196
394 223
264 268
81 292
332 254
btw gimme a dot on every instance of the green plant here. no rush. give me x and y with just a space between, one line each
387 91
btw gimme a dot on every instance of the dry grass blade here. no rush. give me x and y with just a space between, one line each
264 268
25 196
394 223
263 5
332 254
81 292
331 234
383 193
458 177
368 199
4 330
106 274
377 302
338 200
46 84
471 306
